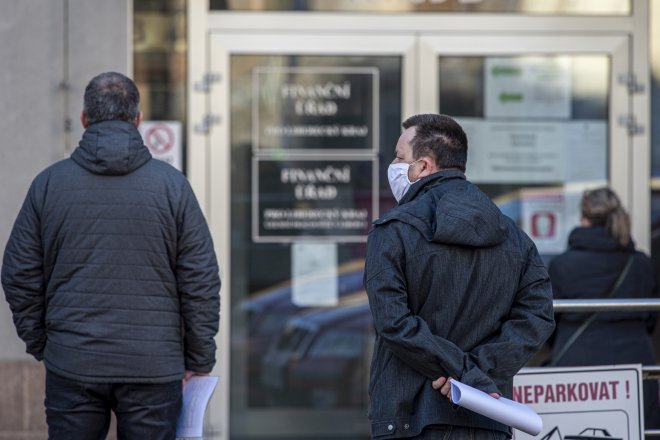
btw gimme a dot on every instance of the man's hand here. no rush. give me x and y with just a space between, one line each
188 374
444 385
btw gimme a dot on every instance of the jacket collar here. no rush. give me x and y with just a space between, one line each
428 182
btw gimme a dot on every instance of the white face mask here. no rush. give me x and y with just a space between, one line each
397 174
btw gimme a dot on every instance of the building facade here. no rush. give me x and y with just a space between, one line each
284 116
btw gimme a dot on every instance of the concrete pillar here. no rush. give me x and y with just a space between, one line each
50 50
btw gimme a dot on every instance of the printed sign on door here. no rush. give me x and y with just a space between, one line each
163 139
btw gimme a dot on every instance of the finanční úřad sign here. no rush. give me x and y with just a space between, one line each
315 109
304 198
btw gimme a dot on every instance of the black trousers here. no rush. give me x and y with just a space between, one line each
82 410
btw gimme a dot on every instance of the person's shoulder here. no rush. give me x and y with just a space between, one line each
641 258
62 167
518 241
165 173
401 216
384 226
160 166
562 261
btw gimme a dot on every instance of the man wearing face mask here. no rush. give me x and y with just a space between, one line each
455 288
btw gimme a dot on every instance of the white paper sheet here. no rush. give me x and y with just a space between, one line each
503 410
196 395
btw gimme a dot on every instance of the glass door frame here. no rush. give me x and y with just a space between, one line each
207 106
616 47
518 26
222 45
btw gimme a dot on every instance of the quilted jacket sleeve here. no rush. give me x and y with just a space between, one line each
198 283
23 276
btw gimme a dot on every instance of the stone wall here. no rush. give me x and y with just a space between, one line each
22 413
52 49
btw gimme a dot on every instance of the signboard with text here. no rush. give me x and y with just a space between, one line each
320 109
583 402
543 218
528 87
307 198
527 152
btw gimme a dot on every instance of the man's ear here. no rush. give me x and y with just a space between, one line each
137 120
83 119
429 166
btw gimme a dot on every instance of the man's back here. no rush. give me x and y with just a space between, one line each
452 284
117 230
464 258
111 277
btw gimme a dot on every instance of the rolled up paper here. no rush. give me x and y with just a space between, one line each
503 410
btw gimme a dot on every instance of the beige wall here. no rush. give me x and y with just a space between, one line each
48 44
50 50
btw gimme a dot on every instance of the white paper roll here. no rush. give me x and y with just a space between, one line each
503 410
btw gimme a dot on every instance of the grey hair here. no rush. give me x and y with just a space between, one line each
111 96
602 208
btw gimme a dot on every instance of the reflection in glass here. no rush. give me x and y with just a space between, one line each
538 133
309 134
320 360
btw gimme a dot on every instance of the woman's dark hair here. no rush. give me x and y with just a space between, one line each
602 207
439 137
111 96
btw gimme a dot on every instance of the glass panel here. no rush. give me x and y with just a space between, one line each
575 7
538 134
309 137
159 66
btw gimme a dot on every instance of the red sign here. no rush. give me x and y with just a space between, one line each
159 139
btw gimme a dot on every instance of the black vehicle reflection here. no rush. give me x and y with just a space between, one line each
267 314
315 357
322 359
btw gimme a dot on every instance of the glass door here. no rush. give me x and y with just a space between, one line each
304 128
298 174
541 118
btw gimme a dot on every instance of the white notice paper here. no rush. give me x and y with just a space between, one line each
503 410
314 274
528 87
196 395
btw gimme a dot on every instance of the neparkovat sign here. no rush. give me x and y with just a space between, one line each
583 401
570 392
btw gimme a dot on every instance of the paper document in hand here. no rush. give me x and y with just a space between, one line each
196 394
503 410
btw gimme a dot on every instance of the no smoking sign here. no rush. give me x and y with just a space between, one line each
163 139
159 139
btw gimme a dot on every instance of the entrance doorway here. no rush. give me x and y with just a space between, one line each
302 125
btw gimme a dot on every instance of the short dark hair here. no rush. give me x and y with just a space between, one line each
111 96
439 137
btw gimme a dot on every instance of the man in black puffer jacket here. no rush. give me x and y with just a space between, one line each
112 279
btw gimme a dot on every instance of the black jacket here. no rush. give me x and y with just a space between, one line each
589 270
110 270
455 289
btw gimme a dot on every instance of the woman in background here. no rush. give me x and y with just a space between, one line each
598 253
